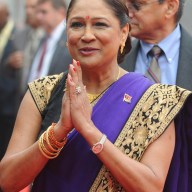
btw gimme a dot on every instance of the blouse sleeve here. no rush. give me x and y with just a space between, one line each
41 89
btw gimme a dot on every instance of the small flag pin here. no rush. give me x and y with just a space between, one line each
127 98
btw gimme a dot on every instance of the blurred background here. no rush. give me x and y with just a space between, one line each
17 9
18 13
187 16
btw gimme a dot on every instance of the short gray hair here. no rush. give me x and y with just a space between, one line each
56 3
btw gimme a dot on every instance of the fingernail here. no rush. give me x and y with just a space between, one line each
74 69
74 61
78 63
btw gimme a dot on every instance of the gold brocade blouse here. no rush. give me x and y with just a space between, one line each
41 89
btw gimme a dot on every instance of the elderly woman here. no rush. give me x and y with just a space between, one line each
113 130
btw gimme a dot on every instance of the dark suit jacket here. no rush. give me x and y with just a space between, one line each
184 73
9 78
9 90
61 57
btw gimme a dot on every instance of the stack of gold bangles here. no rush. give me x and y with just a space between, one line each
48 145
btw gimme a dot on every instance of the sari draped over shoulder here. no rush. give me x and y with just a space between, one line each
133 113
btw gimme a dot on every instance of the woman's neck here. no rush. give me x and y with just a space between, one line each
97 82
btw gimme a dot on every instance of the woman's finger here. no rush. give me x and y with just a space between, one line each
73 73
72 88
77 66
66 89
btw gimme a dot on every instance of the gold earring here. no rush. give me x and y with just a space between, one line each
122 47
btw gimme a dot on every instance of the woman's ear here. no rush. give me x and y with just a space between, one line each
125 32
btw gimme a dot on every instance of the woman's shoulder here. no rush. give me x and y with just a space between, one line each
166 96
158 106
171 91
153 113
41 89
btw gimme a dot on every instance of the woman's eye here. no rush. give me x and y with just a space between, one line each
76 24
100 24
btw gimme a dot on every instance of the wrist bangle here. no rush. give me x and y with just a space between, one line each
48 144
98 147
53 139
46 153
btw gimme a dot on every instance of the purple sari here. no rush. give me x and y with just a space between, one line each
76 168
179 178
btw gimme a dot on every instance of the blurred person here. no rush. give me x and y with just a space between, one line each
156 22
11 59
33 34
114 131
52 56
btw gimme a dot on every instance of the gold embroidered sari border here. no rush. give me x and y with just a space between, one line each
172 114
174 104
121 136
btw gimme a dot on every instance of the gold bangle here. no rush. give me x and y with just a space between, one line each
44 151
52 138
49 152
49 144
53 147
43 147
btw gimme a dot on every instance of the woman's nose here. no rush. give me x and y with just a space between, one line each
88 35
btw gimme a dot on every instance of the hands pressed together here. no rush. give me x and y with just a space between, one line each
76 109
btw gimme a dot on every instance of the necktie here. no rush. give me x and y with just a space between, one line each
153 72
44 47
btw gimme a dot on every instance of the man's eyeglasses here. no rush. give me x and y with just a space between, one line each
137 6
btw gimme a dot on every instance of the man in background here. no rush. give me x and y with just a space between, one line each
33 34
157 23
11 60
52 56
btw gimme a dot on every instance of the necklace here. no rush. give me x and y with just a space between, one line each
93 97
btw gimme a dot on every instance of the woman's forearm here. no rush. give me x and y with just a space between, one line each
147 175
20 169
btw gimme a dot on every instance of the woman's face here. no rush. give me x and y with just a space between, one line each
93 33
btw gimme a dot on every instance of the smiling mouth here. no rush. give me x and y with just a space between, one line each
88 50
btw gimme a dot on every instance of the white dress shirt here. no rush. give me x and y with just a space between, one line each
168 62
51 47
